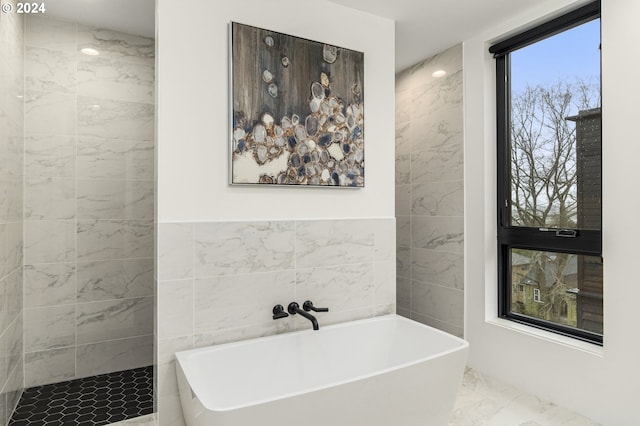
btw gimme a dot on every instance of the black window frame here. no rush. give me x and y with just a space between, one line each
585 242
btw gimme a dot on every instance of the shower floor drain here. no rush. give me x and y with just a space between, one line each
92 401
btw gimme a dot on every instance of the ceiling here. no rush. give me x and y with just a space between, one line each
129 16
423 27
426 27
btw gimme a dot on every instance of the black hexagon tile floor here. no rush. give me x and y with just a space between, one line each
92 401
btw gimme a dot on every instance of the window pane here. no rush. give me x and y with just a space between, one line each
555 131
561 288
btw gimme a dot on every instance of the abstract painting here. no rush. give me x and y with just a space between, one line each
297 110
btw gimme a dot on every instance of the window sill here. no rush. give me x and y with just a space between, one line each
589 348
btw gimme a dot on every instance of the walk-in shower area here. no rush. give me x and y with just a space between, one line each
77 222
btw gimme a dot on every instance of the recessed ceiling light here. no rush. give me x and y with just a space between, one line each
438 74
89 51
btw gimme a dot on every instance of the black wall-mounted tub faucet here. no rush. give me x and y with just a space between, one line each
294 308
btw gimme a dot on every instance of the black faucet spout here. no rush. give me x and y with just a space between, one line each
310 317
294 308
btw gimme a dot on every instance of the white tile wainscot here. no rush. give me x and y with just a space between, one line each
218 281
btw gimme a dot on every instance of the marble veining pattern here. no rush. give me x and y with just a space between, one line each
89 173
437 267
265 246
115 159
437 198
442 303
114 239
114 355
437 164
403 231
49 327
106 118
50 366
115 199
14 346
49 70
11 208
384 272
11 299
403 200
456 330
49 241
436 130
403 167
148 420
403 264
114 319
403 292
326 243
430 192
11 247
114 279
383 239
341 287
116 45
101 77
438 233
49 284
49 198
483 400
176 251
49 113
233 301
50 156
176 302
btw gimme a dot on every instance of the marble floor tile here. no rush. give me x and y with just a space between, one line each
483 400
149 420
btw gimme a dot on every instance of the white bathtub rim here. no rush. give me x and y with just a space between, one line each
462 346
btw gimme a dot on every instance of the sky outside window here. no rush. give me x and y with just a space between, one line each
570 55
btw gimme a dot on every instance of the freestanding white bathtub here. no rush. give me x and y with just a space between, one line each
384 371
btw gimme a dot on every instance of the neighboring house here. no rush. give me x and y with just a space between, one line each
536 292
577 301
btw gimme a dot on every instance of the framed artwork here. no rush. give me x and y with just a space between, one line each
297 111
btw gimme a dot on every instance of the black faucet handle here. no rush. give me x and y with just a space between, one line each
293 308
308 306
278 312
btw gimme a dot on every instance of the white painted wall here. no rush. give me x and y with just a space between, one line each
603 383
193 116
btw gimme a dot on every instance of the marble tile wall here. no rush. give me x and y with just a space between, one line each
218 281
11 210
88 201
429 192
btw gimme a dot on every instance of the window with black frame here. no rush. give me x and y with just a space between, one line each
549 160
